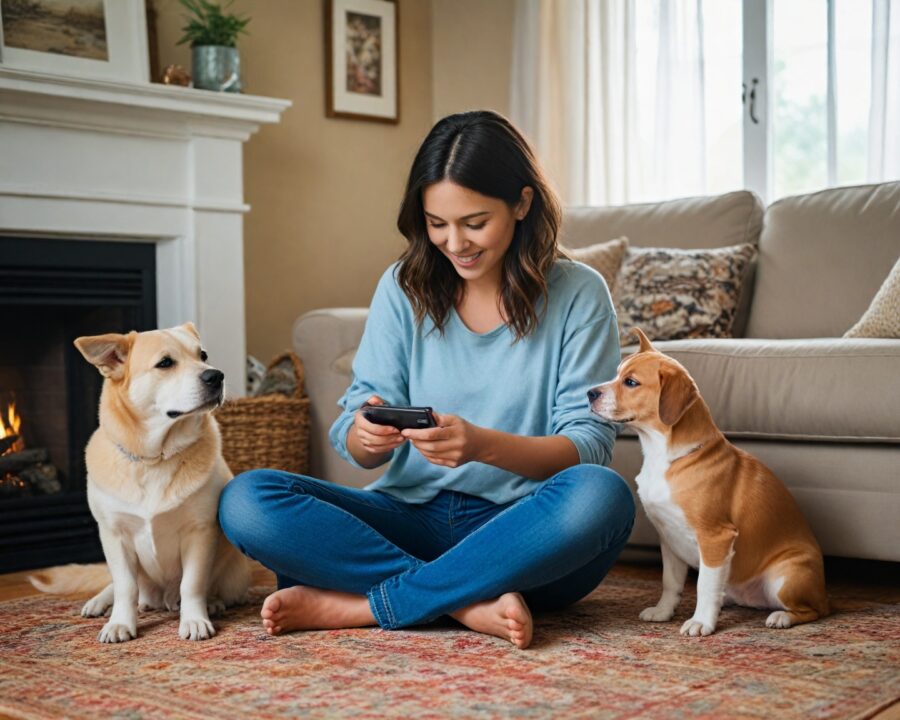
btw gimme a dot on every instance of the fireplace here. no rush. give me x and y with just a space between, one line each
52 291
123 169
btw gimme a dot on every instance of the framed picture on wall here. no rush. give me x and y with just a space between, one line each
362 60
101 39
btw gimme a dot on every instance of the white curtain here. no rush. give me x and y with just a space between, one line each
581 70
884 114
613 96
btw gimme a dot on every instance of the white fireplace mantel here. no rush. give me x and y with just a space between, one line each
98 160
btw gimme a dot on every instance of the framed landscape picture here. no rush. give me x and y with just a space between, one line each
362 60
104 39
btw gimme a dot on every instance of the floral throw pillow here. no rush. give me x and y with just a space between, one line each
672 294
606 258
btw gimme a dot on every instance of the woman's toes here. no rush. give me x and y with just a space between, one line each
271 605
517 613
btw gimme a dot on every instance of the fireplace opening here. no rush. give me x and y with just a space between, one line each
51 292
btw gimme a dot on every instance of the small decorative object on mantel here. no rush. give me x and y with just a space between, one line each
361 59
176 75
270 430
213 37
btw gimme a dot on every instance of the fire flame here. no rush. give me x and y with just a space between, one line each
10 425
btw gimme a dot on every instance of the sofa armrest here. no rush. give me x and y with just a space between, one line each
320 338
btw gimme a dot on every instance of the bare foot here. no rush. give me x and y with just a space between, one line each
307 608
507 617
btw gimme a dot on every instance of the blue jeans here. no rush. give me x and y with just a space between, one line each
417 562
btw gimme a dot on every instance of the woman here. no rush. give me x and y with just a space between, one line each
506 506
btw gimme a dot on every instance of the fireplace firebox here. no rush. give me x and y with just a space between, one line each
51 292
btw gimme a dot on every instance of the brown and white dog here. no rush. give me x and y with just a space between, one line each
717 508
155 473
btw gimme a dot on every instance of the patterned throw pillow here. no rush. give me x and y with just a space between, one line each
606 258
882 319
672 293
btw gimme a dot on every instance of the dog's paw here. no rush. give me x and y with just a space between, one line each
116 632
779 619
694 628
173 604
195 629
656 614
96 607
214 606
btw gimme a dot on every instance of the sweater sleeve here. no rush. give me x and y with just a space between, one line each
590 356
381 364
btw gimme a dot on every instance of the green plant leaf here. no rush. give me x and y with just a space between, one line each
208 25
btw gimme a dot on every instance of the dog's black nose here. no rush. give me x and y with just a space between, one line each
593 394
213 378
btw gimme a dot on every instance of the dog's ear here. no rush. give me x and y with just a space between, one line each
645 341
677 392
107 352
189 326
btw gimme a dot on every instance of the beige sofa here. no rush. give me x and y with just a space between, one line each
822 411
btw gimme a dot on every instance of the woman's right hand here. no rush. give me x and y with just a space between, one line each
373 438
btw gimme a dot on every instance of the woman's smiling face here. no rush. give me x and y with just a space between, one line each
474 231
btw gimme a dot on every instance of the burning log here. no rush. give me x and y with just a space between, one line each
7 442
12 463
43 477
12 486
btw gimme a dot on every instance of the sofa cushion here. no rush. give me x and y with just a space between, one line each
673 293
822 258
344 363
696 222
606 258
829 390
821 389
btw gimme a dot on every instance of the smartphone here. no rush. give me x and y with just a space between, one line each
400 417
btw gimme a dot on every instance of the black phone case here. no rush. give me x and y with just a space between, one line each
401 418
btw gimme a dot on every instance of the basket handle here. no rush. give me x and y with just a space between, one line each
298 371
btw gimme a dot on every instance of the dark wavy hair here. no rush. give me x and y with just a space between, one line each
480 150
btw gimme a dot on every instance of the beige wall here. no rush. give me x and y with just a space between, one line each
324 192
471 55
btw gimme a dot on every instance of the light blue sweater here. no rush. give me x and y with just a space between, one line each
536 387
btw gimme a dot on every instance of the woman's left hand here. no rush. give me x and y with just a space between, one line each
453 443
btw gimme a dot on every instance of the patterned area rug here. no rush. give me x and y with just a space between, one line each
595 659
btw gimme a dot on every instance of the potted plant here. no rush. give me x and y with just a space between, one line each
216 63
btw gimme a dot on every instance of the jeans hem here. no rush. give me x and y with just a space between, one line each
377 612
380 603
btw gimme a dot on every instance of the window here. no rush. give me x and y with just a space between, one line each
822 82
780 93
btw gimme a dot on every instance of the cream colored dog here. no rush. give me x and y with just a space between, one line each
716 508
155 472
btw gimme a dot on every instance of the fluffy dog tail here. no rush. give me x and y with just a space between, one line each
72 578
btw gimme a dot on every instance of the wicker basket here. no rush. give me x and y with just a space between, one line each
270 431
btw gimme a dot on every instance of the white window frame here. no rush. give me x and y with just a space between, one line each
758 61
